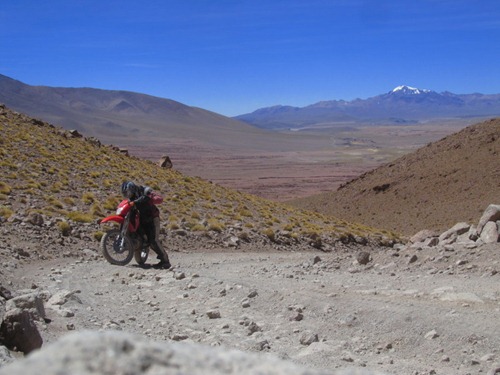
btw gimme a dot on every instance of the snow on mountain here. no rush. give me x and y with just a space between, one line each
409 90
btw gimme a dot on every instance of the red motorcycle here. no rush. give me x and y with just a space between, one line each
120 245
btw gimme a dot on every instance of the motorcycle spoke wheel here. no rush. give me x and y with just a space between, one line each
116 249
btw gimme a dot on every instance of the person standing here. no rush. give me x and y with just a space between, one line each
144 199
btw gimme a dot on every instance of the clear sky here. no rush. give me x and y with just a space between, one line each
235 56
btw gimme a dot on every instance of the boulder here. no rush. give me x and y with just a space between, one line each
31 302
492 213
451 235
423 235
19 331
165 162
114 352
490 234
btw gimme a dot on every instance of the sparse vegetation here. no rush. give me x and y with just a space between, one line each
5 188
88 198
64 228
80 217
98 235
5 212
269 233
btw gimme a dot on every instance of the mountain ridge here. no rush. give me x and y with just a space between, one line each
90 110
403 104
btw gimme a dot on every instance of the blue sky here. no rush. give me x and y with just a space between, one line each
233 57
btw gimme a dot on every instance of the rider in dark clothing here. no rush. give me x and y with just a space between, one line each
147 212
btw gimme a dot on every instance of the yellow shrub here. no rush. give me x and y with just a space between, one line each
64 227
98 235
215 225
88 198
5 188
80 217
5 212
269 233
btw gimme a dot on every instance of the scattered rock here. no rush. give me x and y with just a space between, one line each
431 335
213 314
363 258
308 338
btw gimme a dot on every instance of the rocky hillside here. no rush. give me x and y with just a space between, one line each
64 184
448 181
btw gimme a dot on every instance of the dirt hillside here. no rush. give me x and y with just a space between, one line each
448 181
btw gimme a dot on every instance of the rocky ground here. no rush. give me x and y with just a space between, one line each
408 310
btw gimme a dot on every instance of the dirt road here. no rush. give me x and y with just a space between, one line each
438 314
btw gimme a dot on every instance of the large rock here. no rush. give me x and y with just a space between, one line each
492 213
31 302
165 162
451 235
423 235
19 331
113 352
490 234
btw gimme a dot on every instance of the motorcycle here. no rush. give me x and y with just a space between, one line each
120 245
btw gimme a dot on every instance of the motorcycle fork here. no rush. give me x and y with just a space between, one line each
123 231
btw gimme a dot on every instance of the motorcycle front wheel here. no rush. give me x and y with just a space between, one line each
116 248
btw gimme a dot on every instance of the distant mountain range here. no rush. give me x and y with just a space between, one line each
403 105
128 118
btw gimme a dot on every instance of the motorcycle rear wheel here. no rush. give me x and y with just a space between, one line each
115 250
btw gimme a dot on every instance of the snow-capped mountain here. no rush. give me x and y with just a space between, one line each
407 90
403 104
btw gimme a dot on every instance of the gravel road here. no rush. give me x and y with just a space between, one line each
408 311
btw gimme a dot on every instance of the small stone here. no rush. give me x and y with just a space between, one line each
363 258
413 259
297 317
253 294
431 335
179 275
213 314
308 338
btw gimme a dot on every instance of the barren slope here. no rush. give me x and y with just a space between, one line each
447 181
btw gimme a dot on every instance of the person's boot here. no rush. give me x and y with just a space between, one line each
162 265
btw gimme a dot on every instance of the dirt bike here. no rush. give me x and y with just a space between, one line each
120 245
